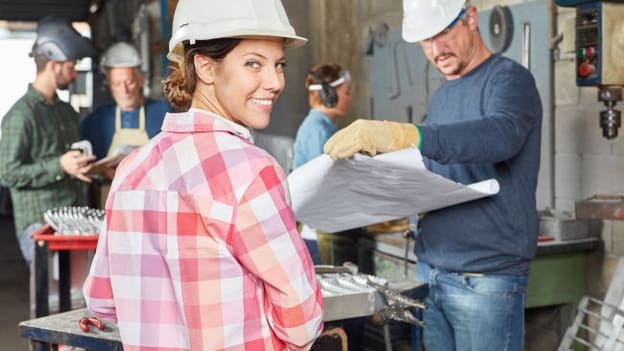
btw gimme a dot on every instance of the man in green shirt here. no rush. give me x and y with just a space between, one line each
37 164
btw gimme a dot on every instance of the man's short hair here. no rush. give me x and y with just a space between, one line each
40 62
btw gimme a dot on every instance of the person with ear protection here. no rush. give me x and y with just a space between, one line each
36 160
483 122
329 96
199 248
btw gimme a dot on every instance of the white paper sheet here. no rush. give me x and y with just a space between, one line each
338 195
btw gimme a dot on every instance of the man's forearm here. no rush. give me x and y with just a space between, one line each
20 175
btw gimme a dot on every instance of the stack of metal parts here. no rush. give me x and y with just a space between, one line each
598 326
75 220
350 295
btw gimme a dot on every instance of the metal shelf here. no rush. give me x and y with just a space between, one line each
610 207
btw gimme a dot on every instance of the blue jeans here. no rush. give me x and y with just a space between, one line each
472 312
314 251
27 243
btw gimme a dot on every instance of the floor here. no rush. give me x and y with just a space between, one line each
14 300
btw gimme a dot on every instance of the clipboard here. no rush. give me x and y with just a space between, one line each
100 166
108 162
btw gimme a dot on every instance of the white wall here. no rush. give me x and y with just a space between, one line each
16 69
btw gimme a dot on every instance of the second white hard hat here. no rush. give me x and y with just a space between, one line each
205 20
120 54
423 19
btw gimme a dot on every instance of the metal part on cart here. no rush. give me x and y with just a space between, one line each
74 220
348 295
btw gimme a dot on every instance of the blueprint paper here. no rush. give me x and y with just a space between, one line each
337 195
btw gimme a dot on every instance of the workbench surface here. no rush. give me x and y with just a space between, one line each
394 244
63 329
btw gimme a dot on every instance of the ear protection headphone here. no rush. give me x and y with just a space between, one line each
328 93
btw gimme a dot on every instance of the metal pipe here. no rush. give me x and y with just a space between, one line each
526 46
142 37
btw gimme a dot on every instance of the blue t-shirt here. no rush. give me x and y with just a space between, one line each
486 124
313 132
99 126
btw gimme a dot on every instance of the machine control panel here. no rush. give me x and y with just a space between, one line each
588 48
599 45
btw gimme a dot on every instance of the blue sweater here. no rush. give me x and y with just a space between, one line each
99 126
312 135
486 124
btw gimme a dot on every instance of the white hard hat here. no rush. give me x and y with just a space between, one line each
120 55
424 19
205 20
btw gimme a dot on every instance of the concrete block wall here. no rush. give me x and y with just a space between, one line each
333 38
586 163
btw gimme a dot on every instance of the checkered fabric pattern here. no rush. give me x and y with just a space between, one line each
199 249
34 136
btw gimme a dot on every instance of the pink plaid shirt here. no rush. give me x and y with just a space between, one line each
199 249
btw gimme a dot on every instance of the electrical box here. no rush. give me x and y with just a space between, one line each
600 43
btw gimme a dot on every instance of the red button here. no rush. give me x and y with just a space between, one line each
586 70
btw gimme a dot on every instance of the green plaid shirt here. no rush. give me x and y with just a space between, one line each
34 136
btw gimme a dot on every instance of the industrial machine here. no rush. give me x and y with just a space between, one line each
599 51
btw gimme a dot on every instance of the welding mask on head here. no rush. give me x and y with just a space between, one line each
59 41
120 55
327 90
423 19
212 19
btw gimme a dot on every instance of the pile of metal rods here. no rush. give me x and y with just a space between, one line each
75 220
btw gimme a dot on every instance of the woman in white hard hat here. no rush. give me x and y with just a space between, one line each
199 250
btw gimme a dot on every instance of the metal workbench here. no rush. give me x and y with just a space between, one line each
603 207
341 301
62 329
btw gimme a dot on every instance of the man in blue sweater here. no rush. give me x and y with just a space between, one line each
483 122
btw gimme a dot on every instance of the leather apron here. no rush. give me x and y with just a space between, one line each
124 136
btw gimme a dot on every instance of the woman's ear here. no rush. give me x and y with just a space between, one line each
205 68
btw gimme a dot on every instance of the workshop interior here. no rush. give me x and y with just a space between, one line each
573 48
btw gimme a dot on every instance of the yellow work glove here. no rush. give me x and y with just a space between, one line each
371 137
